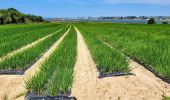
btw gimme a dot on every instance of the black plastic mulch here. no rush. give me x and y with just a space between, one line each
103 75
33 96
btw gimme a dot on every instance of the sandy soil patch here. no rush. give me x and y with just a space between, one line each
142 86
85 73
12 86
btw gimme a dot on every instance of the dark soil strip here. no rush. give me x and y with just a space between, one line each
103 75
148 67
33 96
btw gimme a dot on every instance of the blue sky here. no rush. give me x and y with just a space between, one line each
75 8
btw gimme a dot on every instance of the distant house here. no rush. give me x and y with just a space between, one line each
56 19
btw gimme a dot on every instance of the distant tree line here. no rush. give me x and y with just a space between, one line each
152 21
13 16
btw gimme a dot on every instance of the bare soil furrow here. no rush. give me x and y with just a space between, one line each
85 72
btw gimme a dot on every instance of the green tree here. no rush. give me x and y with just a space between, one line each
165 22
13 16
151 21
1 19
22 19
12 9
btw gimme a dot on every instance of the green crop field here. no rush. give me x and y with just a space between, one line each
106 58
52 54
59 67
31 54
149 44
84 50
146 43
23 35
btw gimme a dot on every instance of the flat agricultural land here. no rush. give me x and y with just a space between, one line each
86 61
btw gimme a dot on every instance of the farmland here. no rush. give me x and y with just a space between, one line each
68 58
31 54
8 38
106 58
146 43
59 67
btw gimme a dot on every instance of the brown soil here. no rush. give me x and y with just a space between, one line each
12 86
85 77
143 85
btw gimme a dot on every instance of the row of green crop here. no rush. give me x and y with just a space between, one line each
147 43
19 33
24 58
56 74
107 59
25 39
12 33
10 30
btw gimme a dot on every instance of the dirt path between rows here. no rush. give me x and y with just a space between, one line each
143 85
12 86
85 72
26 47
